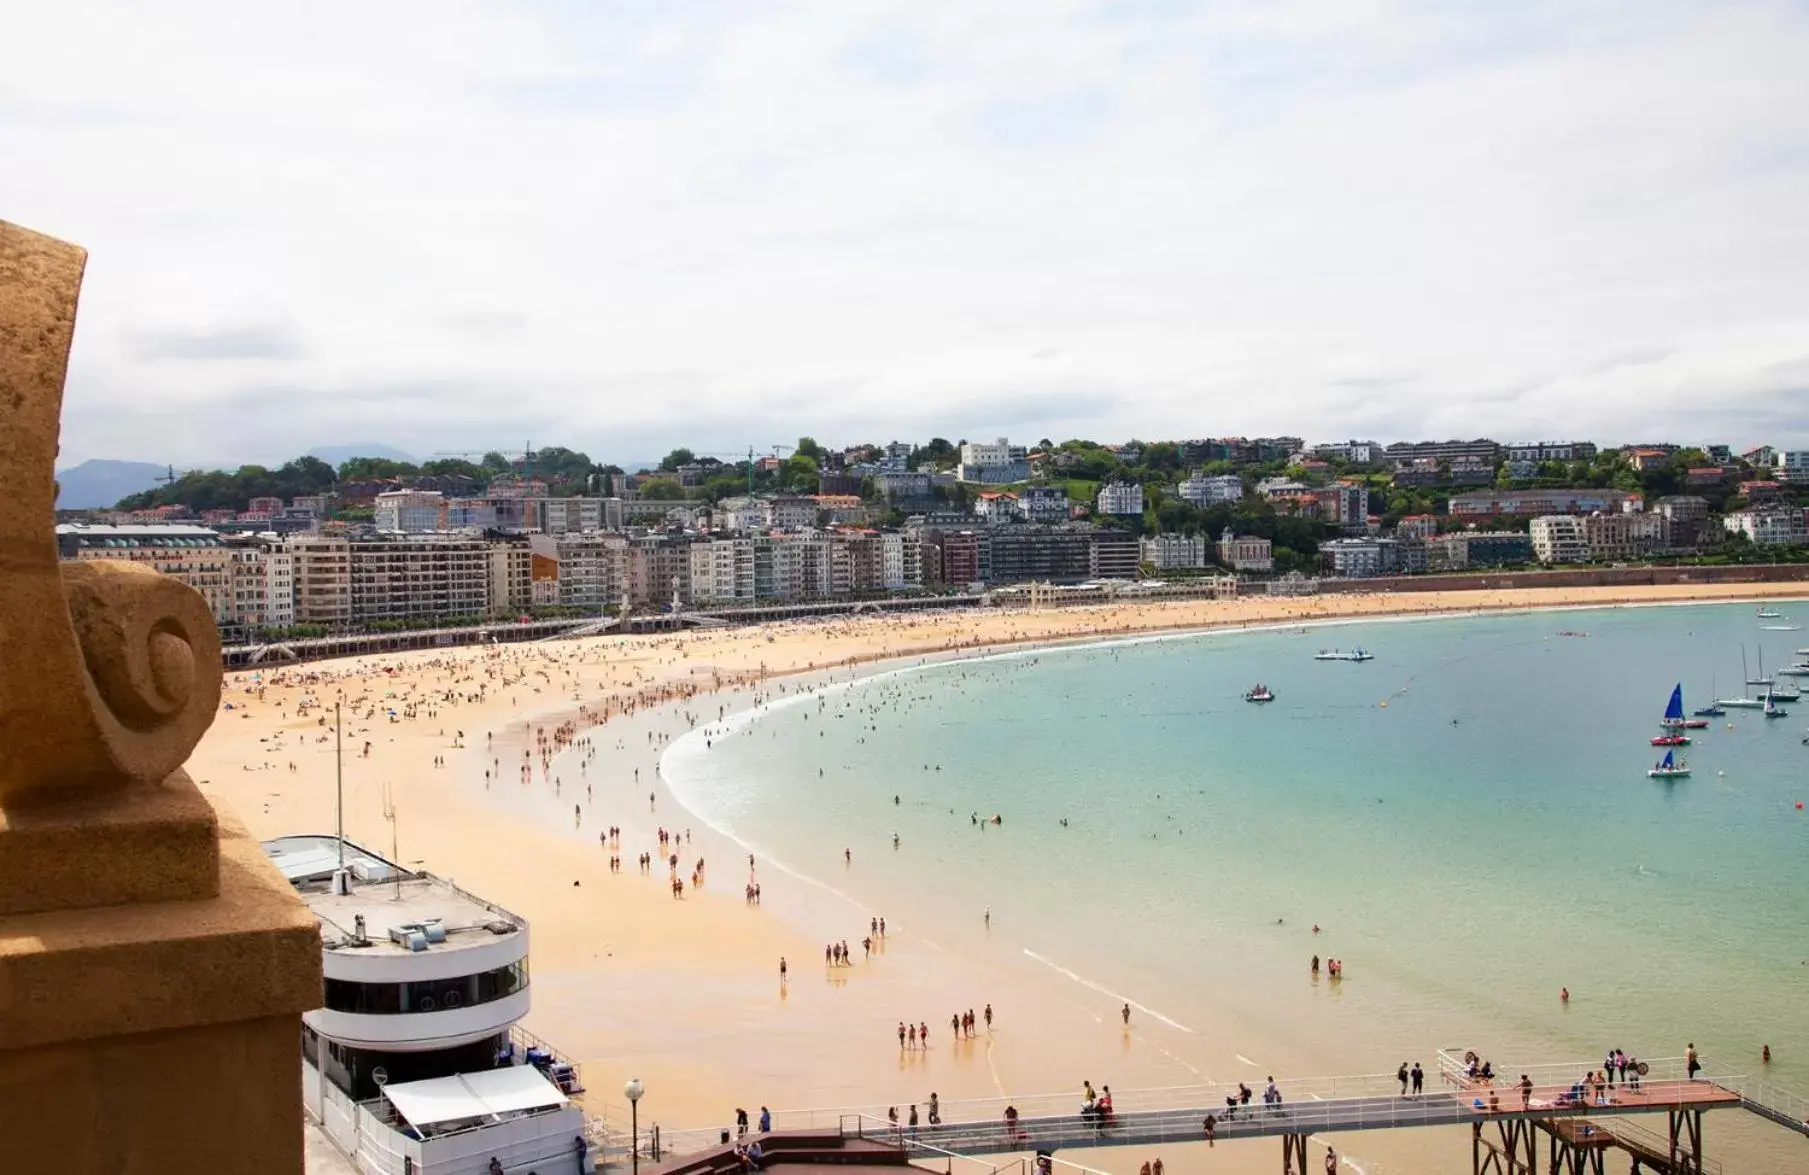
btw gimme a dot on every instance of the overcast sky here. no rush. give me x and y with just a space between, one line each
623 226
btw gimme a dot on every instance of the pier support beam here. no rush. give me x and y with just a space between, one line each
1293 1154
1516 1154
1686 1141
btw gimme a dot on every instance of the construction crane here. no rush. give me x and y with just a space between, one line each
522 458
748 457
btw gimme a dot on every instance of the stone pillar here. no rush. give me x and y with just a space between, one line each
153 966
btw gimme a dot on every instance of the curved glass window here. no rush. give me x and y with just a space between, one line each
426 995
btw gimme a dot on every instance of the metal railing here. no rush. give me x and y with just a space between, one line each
1308 1105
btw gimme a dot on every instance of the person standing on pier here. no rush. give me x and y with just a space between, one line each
1690 1064
1419 1079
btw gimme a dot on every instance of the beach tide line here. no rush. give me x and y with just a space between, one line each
1104 990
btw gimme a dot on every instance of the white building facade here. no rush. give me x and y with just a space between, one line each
1560 538
1207 491
1124 498
1170 552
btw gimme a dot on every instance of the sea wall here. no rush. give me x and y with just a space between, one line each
1574 577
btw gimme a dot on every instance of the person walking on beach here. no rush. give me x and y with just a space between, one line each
781 968
1126 1014
1331 1161
989 1017
1690 1064
1419 1079
901 1034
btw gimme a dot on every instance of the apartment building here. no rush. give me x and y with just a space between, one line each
323 578
1361 558
1464 549
962 557
1354 452
1052 554
410 511
1769 525
1113 554
1491 503
1483 450
1626 536
1559 538
1173 552
1534 452
511 588
1121 498
1208 491
658 568
999 463
193 554
407 577
593 569
1347 505
1792 466
557 516
263 582
722 571
1043 504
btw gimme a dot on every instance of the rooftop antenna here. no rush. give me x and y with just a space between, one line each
169 476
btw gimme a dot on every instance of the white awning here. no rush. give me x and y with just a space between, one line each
494 1093
440 1099
518 1087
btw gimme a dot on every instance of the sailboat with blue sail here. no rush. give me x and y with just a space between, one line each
1673 718
1669 767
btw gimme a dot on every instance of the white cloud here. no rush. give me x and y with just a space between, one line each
627 226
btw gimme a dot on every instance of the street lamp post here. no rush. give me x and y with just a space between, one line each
633 1091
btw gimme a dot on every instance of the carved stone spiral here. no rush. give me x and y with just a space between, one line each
153 655
109 672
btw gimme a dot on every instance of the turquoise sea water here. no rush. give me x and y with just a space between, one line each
1486 837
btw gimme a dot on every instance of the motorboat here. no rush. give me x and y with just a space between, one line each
1357 654
1668 767
1259 693
1671 740
1769 613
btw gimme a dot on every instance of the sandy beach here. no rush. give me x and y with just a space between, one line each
684 992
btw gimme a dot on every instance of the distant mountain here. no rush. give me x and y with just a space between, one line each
337 455
96 485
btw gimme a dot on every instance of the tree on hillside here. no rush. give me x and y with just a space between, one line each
662 489
938 454
375 469
808 447
671 461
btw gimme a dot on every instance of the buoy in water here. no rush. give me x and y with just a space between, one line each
1799 805
1384 703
